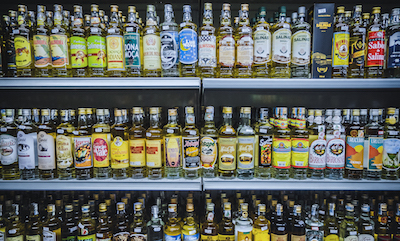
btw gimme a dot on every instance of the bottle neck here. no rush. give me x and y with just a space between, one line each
132 17
245 119
114 20
190 120
244 18
172 119
41 18
86 215
282 17
208 17
95 19
101 119
137 120
82 121
154 120
227 119
169 17
45 119
226 18
187 17
119 119
151 19
356 119
78 19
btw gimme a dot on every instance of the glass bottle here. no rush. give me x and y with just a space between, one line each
262 46
374 137
86 225
188 48
69 227
154 146
331 226
151 45
137 144
391 147
317 153
96 45
208 145
41 45
335 149
348 228
226 228
209 228
169 44
155 225
119 148
207 45
22 45
244 45
34 228
83 147
64 147
101 140
132 39
227 146
172 134
190 146
314 225
245 145
103 227
376 47
11 70
46 147
279 227
366 227
138 228
8 143
115 46
79 61
15 227
52 225
340 45
3 222
392 57
190 228
261 226
281 47
357 45
120 224
225 44
263 146
281 145
173 228
243 224
300 146
396 229
354 147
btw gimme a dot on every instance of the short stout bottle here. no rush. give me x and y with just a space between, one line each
354 147
119 148
208 145
172 133
137 144
101 140
46 147
245 145
83 147
154 146
65 147
227 146
190 146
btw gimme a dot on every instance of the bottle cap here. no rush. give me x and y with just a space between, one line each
244 207
245 110
227 206
227 110
138 206
187 9
210 207
102 207
120 206
100 112
340 9
137 110
208 6
376 10
383 207
189 110
172 112
154 110
298 209
85 209
364 111
45 112
69 208
189 207
349 207
51 208
262 208
131 9
81 111
114 8
226 7
77 8
356 112
244 7
118 112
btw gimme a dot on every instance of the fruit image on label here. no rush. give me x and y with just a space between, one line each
83 152
137 153
208 152
41 47
153 153
59 50
227 153
375 152
173 151
354 153
23 54
115 52
64 151
119 153
96 47
281 153
100 144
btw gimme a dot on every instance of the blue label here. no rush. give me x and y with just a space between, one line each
187 46
194 237
169 49
394 50
173 238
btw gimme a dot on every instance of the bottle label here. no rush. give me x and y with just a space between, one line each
365 237
70 238
173 237
357 50
172 151
140 237
317 156
78 52
64 152
83 152
391 154
121 236
115 52
227 154
207 52
19 238
208 152
46 151
132 50
297 237
87 237
209 238
137 157
301 44
245 51
191 237
376 48
394 50
169 49
245 153
49 235
96 47
190 151
151 52
263 234
300 152
119 153
281 151
281 46
8 149
2 233
264 151
351 238
59 50
33 238
103 239
331 237
41 48
354 153
226 237
26 150
262 46
227 51
101 145
340 50
375 151
277 237
187 46
244 236
23 54
153 153
335 154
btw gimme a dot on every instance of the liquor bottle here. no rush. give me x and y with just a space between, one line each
79 60
355 147
34 228
151 45
190 146
69 227
244 45
172 134
261 226
262 46
15 227
137 145
243 225
173 228
209 228
103 228
314 225
115 46
279 227
208 145
83 147
226 228
8 143
169 43
376 46
366 227
52 225
226 44
335 149
301 46
374 137
300 145
155 225
281 47
190 228
340 45
11 70
331 226
22 45
86 23
227 146
188 52
132 39
59 45
236 23
392 58
317 153
245 145
357 45
297 225
96 45
121 224
46 147
86 225
281 145
263 146
119 148
3 222
154 146
64 147
348 229
391 147
138 228
101 139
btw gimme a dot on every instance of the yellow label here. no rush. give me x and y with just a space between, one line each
208 237
281 153
23 54
153 153
340 50
33 238
64 151
115 52
59 50
101 149
297 237
244 236
261 235
209 149
227 153
172 149
119 153
222 237
300 152
151 52
18 238
87 237
276 237
245 152
331 237
137 153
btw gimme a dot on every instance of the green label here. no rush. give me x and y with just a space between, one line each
17 238
96 47
87 238
32 238
78 52
132 54
69 238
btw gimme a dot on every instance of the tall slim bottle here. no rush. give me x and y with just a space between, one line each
120 223
376 46
83 147
64 147
34 227
86 225
281 145
331 226
190 146
261 227
103 228
391 147
392 58
348 228
301 46
314 225
207 44
340 45
226 228
243 224
15 227
46 147
22 44
11 70
279 227
172 134
245 145
354 147
138 228
96 45
188 52
119 148
208 145
137 145
366 227
357 45
173 227
374 139
156 225
169 44
115 46
244 45
263 146
79 60
227 141
262 46
335 149
317 153
52 225
225 44
300 146
101 140
132 39
8 143
154 146
69 227
41 45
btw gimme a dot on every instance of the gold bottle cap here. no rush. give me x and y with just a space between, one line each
72 112
51 208
358 8
101 13
107 202
223 194
189 110
114 8
262 208
118 113
174 200
12 13
189 200
311 112
236 20
137 15
245 110
131 9
383 207
137 110
240 201
376 10
208 6
208 200
226 7
100 112
274 202
318 112
154 110
227 110
291 203
89 111
225 200
356 112
124 200
210 206
26 112
102 207
340 9
22 8
189 207
58 202
298 209
77 8
45 112
94 6
138 206
81 111
366 15
391 111
244 207
347 14
172 112
69 208
227 206
120 206
244 7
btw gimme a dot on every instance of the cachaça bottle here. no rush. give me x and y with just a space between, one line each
226 229
83 147
374 143
355 147
188 52
132 39
155 225
41 45
392 57
262 46
244 45
34 227
52 225
391 147
227 146
154 146
172 134
245 145
207 45
357 45
190 227
208 145
225 44
340 45
151 45
173 228
15 227
9 144
11 70
279 227
331 226
209 227
138 228
317 153
300 145
298 227
79 60
86 225
281 145
335 149
190 146
120 224
103 228
314 225
69 227
169 44
22 44
65 147
115 46
46 147
366 227
376 46
348 229
263 146
96 45
137 144
119 148
261 226
101 140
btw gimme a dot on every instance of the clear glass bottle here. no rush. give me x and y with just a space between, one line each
52 225
244 45
335 149
227 146
354 147
226 228
262 46
169 43
119 148
151 45
317 154
138 228
79 61
340 45
101 139
46 147
208 145
314 225
376 46
357 45
137 144
245 145
83 147
279 227
225 44
120 223
86 225
172 133
103 227
15 227
155 225
69 227
190 146
34 228
366 227
244 225
263 146
132 39
65 147
261 226
8 142
188 47
154 146
173 228
96 45
348 228
22 44
300 145
11 70
391 147
281 145
115 46
41 45
392 58
209 227
331 226
374 136
207 45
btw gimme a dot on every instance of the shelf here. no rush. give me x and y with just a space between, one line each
108 184
100 83
273 184
210 83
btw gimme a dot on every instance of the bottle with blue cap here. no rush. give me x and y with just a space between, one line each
86 225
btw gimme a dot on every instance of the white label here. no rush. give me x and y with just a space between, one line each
366 237
16 31
170 131
264 228
207 50
281 46
26 150
368 227
208 231
60 131
301 44
46 151
54 30
335 157
182 25
245 51
191 232
137 230
111 30
12 231
317 157
99 129
353 233
148 134
281 228
9 151
192 133
262 46
165 27
129 29
334 231
49 235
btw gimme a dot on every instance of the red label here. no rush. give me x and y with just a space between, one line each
151 150
100 149
376 48
137 149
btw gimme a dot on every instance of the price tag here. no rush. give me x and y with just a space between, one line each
191 232
264 228
165 27
111 30
99 129
380 132
60 131
170 131
157 229
73 229
204 32
353 233
281 228
192 133
263 131
12 231
54 30
99 235
150 31
208 231
368 227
